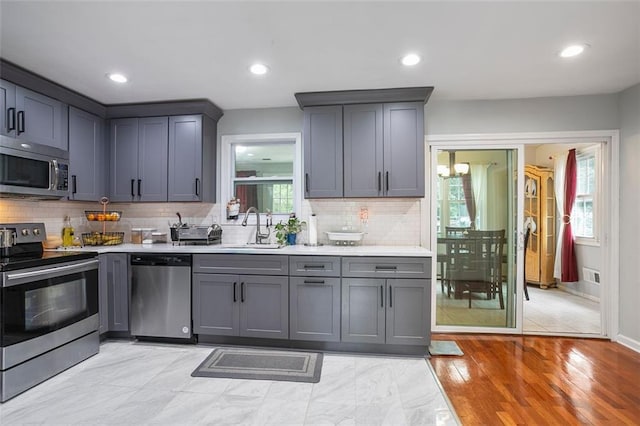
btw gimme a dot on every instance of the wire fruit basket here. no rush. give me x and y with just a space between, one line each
103 238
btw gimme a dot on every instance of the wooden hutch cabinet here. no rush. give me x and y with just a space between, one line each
540 213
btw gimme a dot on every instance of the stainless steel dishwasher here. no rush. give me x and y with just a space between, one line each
161 295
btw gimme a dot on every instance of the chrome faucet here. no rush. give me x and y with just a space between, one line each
260 237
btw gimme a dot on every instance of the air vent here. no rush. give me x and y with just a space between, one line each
591 275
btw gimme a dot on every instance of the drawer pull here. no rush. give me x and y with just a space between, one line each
390 297
382 296
386 268
235 296
314 281
242 292
313 267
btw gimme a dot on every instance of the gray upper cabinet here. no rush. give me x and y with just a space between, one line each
139 152
384 150
33 117
383 142
363 150
7 108
41 119
88 156
322 139
192 160
404 149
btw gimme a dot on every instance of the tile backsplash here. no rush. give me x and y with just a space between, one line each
390 221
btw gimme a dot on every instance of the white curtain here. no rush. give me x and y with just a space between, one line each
479 184
559 166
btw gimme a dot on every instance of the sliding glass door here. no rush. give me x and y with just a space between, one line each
478 278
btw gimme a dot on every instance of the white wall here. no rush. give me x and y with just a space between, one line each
629 210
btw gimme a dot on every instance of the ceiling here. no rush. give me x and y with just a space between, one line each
186 50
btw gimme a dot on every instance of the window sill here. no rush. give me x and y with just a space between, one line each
589 242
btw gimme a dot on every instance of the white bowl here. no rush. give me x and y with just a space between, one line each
345 236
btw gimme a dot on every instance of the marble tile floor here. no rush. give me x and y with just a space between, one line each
134 383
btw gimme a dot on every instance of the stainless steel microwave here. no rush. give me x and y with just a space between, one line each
30 170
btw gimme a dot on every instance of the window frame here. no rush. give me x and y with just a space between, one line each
595 153
227 171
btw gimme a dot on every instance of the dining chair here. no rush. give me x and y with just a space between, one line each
443 257
477 264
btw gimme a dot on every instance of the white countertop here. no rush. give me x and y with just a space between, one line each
326 250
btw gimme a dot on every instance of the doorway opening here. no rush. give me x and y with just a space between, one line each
596 223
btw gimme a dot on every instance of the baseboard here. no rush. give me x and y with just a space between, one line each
570 290
628 342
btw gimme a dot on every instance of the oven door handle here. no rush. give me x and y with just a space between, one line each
56 271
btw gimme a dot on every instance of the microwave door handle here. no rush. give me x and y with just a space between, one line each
56 173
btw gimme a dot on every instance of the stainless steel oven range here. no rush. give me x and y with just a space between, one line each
48 309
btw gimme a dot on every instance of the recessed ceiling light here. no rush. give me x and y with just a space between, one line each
573 50
117 77
259 69
410 60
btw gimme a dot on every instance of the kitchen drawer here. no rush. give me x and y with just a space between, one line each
386 267
314 266
249 264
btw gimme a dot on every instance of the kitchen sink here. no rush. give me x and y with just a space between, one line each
252 246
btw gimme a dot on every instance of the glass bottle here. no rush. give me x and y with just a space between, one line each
67 232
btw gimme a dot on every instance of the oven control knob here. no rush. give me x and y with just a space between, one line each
25 232
36 231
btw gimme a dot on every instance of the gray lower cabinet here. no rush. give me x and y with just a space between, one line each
314 298
88 154
314 308
322 145
241 305
139 157
114 287
394 311
386 300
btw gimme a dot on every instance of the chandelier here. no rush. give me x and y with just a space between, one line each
453 169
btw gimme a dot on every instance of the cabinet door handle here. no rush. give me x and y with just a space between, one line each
75 184
235 296
242 292
198 187
314 281
386 177
139 182
306 183
382 296
390 297
379 181
20 122
133 181
11 119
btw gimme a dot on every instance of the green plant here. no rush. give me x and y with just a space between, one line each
292 226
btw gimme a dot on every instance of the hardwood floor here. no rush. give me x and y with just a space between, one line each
540 380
